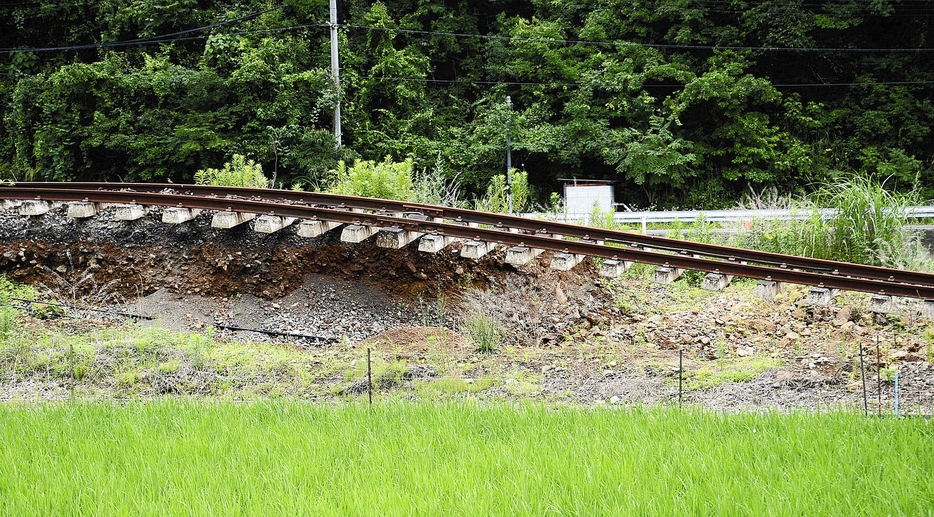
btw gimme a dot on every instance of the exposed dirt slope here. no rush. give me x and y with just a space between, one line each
564 334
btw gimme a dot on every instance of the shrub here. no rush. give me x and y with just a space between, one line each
867 218
433 187
496 199
383 180
854 220
238 172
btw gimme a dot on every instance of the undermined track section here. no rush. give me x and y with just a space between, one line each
400 223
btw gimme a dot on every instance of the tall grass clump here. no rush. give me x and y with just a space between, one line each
483 331
396 180
701 231
867 220
7 316
853 220
600 219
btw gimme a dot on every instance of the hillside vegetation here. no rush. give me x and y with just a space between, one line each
683 102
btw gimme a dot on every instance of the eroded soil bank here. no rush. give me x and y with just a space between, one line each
569 336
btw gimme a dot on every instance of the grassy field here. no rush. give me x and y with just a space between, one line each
177 457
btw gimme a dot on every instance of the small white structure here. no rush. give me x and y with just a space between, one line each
581 195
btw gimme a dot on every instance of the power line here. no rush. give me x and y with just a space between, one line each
172 37
634 44
455 82
164 38
154 40
848 7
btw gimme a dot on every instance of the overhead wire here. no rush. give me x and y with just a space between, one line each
179 37
644 85
639 45
846 6
155 40
492 37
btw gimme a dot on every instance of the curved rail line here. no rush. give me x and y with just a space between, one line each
504 229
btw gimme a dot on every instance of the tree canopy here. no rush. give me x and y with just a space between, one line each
681 102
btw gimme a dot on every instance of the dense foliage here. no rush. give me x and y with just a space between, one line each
683 102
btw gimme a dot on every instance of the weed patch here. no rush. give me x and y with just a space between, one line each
722 371
484 332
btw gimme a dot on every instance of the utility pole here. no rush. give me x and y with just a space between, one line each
509 153
336 73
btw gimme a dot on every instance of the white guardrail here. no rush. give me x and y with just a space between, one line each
715 216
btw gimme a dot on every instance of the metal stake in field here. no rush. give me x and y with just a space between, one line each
896 393
369 376
878 378
680 373
862 368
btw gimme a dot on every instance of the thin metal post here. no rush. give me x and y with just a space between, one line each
680 373
335 73
369 376
896 393
878 378
509 153
862 368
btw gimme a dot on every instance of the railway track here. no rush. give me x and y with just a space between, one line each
484 227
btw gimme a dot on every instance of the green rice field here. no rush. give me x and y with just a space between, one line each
181 457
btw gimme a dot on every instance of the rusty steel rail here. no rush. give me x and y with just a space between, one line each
502 221
887 286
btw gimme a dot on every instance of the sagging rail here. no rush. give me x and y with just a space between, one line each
493 228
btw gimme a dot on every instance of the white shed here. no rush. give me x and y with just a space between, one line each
581 195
